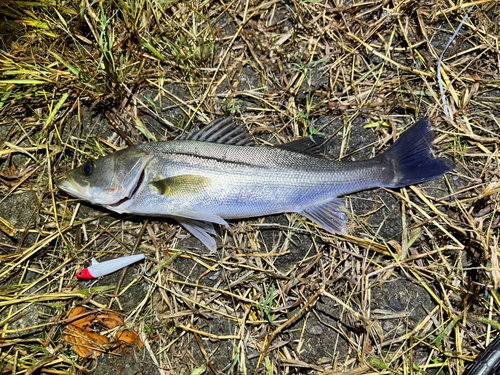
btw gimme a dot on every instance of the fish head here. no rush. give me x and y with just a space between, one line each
108 181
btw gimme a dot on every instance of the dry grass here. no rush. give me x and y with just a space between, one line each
287 69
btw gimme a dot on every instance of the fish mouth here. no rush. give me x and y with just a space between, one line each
133 192
70 186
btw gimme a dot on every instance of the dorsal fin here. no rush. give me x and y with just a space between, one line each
223 131
94 262
316 146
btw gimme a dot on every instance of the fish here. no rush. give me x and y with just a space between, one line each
100 269
218 173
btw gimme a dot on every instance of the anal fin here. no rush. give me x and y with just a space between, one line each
328 215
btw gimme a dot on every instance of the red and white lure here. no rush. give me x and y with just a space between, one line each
102 269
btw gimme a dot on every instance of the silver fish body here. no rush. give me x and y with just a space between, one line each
199 182
242 182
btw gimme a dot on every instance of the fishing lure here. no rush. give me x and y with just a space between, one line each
105 268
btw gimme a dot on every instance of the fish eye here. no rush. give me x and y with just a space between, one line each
88 168
80 273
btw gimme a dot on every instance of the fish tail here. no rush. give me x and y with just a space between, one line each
410 157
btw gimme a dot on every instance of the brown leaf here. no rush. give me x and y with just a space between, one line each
12 172
110 319
84 342
128 338
85 321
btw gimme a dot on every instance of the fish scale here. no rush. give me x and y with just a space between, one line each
283 180
198 183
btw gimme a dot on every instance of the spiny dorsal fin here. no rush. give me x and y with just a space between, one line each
223 131
316 146
181 185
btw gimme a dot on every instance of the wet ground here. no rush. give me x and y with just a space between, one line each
396 304
317 337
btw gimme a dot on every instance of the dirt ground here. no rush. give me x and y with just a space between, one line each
411 289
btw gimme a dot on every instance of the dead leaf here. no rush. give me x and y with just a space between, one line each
110 319
128 338
11 172
85 322
85 342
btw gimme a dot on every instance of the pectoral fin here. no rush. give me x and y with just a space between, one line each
328 215
181 185
202 230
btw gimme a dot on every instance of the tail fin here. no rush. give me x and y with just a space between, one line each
411 159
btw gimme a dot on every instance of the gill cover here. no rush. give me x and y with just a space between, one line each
108 180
